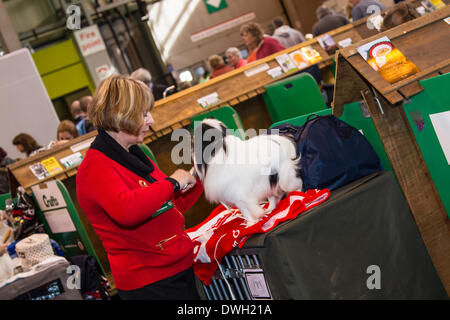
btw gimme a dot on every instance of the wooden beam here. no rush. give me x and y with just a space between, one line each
415 180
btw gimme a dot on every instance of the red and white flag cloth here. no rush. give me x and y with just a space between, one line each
226 229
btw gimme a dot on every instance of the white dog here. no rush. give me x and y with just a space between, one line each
244 173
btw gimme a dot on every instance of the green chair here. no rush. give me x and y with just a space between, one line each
433 100
353 116
293 97
3 198
148 152
227 115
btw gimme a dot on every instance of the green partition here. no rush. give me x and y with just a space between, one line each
435 99
57 212
227 115
293 97
3 198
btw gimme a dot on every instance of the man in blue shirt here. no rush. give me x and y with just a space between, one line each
364 8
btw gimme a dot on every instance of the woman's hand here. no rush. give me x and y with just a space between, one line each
184 178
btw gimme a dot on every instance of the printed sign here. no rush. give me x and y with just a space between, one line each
59 221
215 5
72 160
260 68
103 72
209 100
299 59
387 60
327 43
48 196
441 123
236 22
286 63
52 165
89 40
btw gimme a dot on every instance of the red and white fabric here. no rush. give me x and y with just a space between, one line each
226 229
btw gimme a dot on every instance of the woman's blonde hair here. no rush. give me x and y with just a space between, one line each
120 103
68 126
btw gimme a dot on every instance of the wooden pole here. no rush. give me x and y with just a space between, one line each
415 180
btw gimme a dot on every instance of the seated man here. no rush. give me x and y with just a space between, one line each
286 35
364 8
84 126
328 20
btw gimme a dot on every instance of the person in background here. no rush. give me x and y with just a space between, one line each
328 21
234 58
361 8
66 131
218 66
145 76
258 44
76 112
26 144
135 209
205 77
4 161
85 125
398 14
286 35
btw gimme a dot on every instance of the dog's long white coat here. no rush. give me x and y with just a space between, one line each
240 176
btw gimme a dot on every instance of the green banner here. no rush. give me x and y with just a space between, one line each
215 5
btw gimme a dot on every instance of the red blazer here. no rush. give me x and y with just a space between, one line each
270 46
119 205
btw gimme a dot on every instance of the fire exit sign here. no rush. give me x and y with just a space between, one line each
215 5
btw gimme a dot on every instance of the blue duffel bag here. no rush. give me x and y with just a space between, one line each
333 153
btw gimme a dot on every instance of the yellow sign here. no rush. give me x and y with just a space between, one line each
52 165
438 4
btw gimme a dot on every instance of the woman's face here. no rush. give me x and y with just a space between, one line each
148 121
232 59
20 148
248 38
64 135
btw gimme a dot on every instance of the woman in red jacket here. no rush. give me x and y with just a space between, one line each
135 209
259 45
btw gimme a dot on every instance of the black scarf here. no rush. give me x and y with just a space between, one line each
135 160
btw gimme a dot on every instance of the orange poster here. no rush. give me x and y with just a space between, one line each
387 60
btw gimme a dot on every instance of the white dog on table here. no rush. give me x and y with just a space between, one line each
245 173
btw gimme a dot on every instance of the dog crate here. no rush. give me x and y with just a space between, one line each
239 277
330 252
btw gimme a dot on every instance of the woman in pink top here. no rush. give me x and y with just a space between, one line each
234 58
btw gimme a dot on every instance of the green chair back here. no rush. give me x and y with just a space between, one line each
3 198
293 97
435 99
227 115
148 152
